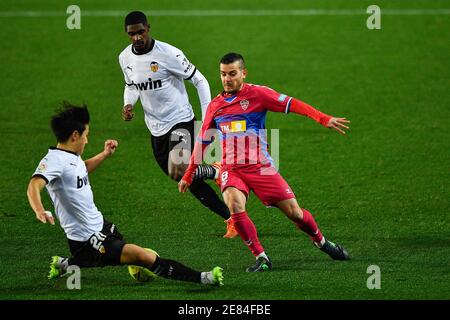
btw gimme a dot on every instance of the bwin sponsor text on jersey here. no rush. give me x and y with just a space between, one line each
148 85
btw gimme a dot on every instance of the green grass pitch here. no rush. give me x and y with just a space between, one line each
382 190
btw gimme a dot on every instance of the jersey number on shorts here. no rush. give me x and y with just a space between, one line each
97 241
224 177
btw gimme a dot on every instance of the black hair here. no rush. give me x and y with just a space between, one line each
233 57
68 119
136 17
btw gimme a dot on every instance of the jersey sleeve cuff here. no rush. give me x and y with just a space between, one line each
192 74
40 176
288 106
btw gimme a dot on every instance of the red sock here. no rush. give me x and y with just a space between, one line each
308 225
247 231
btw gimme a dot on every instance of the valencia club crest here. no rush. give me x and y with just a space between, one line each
154 66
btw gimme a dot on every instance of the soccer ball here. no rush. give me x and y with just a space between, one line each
142 274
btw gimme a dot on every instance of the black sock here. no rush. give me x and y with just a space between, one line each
208 197
204 171
174 270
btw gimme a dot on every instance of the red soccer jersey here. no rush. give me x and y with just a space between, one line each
240 121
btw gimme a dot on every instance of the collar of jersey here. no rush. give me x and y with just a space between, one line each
230 99
55 148
152 44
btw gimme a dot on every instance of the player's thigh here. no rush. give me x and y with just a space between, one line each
182 136
107 245
98 251
180 146
136 255
234 189
160 147
177 163
269 186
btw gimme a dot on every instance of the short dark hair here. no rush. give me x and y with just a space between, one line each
233 57
68 119
135 17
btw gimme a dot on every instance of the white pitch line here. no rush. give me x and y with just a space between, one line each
231 13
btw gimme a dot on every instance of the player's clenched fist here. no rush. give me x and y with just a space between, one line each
127 112
110 146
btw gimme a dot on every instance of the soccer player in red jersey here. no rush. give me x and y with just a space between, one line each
238 114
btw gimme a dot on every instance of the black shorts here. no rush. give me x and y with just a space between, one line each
103 248
180 136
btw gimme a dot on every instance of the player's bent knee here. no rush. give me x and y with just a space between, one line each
292 210
235 200
235 206
146 258
133 254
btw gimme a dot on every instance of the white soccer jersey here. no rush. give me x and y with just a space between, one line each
157 78
68 186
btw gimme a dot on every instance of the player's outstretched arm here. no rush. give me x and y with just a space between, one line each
34 198
300 107
94 162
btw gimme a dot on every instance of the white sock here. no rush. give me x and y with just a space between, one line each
262 254
216 176
206 277
63 263
321 243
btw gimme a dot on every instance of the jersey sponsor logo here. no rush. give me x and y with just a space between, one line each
84 181
149 85
244 104
234 126
154 66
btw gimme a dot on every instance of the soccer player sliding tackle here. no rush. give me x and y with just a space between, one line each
239 114
93 241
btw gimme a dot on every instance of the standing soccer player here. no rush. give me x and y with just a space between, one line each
155 72
239 114
93 241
